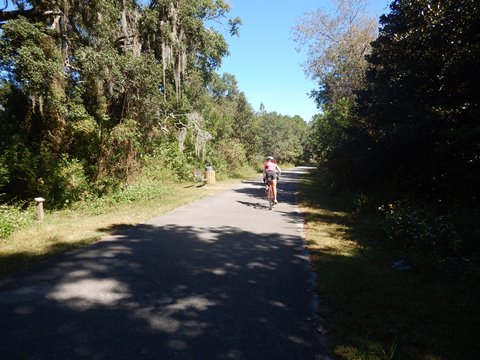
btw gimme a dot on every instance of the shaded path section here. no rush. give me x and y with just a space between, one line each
222 278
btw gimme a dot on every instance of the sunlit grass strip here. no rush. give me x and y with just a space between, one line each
328 237
336 261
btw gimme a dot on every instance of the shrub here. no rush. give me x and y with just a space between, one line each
119 153
4 174
168 160
18 176
13 217
139 191
421 230
74 182
231 156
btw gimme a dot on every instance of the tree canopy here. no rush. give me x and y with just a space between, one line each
90 90
412 125
337 44
421 105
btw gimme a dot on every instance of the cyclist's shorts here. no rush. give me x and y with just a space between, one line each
272 175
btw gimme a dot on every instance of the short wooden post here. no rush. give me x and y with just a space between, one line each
209 175
40 201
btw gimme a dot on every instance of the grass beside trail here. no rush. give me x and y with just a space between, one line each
374 312
88 222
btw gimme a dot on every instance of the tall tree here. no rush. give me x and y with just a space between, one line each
244 125
421 105
337 44
98 82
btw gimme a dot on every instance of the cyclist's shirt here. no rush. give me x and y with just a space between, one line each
271 170
270 166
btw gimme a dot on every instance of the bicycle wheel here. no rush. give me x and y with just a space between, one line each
270 197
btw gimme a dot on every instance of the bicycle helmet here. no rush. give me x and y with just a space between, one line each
270 158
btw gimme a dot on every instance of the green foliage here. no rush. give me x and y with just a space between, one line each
419 230
61 181
139 192
100 204
410 137
119 151
283 137
4 175
169 156
412 131
230 157
153 181
370 309
224 87
29 56
338 143
19 168
421 106
91 102
244 126
12 217
101 94
329 131
72 181
81 134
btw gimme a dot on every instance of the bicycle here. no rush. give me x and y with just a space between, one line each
269 193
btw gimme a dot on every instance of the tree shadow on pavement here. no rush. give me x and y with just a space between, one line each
165 292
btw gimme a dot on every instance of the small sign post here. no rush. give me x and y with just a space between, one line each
40 201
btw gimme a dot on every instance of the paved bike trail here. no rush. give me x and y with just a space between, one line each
221 278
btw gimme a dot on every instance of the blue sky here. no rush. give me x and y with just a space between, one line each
264 60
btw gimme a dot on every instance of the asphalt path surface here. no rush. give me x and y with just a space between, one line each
221 278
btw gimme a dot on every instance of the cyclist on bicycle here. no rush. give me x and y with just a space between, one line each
271 171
